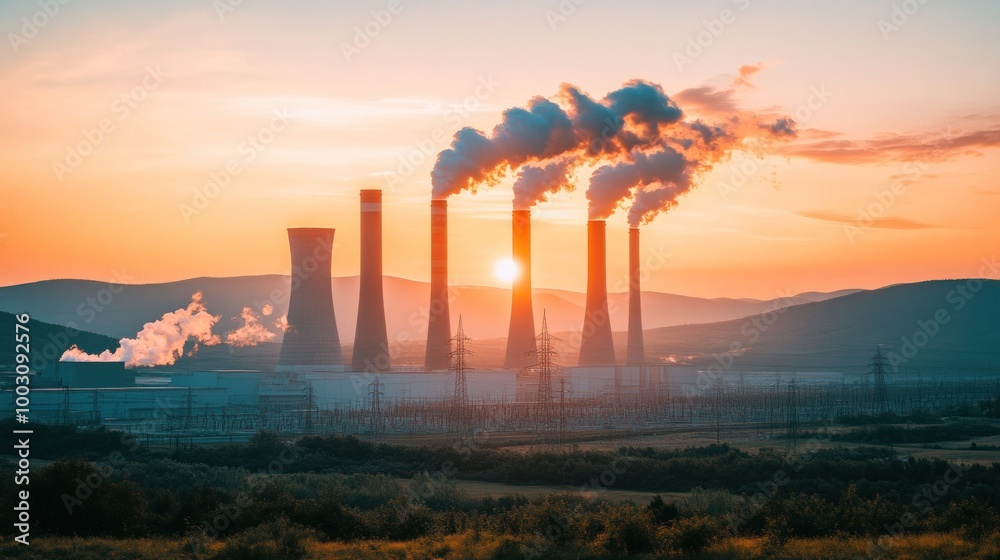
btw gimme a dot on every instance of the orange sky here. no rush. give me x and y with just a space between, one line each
915 107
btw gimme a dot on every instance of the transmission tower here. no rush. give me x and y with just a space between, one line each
310 399
792 418
377 423
563 421
718 410
544 352
460 366
880 404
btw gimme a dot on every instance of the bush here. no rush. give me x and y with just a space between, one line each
662 512
277 540
628 532
695 534
970 517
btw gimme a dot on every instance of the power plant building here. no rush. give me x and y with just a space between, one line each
311 339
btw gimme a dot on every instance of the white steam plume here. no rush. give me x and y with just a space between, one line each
159 343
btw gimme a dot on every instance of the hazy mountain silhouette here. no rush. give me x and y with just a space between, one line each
835 334
843 332
484 309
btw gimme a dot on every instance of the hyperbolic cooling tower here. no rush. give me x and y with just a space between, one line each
521 334
311 339
439 319
596 346
371 345
635 354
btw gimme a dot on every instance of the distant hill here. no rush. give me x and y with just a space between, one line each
843 333
834 334
48 341
484 309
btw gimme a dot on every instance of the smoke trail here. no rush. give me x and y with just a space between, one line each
648 203
703 146
541 131
645 106
535 181
612 184
253 332
627 118
159 343
636 128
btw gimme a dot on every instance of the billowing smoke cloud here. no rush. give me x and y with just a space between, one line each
253 332
702 146
652 152
159 343
645 106
541 131
536 181
650 202
612 184
554 141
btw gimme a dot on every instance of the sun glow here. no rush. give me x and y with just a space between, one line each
506 270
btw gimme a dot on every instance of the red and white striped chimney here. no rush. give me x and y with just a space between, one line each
521 333
371 345
596 346
635 354
438 351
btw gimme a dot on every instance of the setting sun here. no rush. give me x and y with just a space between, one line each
506 270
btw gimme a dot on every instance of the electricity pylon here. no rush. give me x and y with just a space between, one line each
459 364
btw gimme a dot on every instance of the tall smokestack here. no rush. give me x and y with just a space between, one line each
635 354
596 347
371 345
439 319
311 340
521 334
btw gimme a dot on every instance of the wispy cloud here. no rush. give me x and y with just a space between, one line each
708 99
885 222
744 73
892 147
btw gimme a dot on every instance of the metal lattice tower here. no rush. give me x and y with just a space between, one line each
717 405
792 418
546 367
563 420
377 422
459 364
880 403
310 400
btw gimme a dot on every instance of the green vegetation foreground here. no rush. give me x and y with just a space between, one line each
337 497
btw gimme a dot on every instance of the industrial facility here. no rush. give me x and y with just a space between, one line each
313 388
312 379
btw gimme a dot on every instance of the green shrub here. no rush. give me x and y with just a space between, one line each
277 540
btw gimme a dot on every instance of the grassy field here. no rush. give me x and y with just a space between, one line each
477 489
471 546
986 452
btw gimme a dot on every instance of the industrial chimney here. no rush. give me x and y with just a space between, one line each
371 345
521 334
596 346
311 340
635 354
438 351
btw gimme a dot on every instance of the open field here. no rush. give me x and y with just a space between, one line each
748 438
477 546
